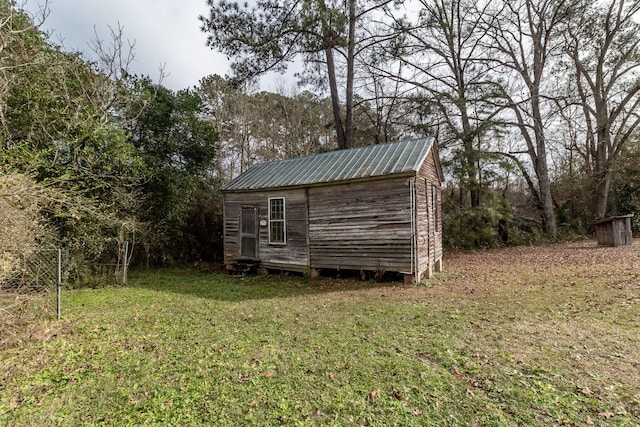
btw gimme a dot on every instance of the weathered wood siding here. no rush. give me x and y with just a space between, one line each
291 256
429 228
363 225
614 231
386 224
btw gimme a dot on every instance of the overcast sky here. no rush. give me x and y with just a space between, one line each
165 32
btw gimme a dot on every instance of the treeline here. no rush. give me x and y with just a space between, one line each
93 157
534 106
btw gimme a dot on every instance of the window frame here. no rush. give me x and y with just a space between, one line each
283 220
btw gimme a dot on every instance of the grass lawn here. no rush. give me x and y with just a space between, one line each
520 336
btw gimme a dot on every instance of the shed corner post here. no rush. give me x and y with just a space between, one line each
438 265
413 218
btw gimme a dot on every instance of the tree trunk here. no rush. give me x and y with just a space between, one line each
601 195
348 122
335 100
470 166
548 210
601 172
542 171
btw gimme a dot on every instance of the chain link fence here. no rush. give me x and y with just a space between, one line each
32 279
117 269
30 289
31 283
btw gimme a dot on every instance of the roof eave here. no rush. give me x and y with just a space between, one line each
408 174
433 150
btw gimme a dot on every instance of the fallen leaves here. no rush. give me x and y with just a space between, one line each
457 373
397 394
373 396
586 391
606 414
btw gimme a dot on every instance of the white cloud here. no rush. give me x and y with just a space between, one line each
166 32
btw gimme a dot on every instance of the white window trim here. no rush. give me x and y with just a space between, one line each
283 220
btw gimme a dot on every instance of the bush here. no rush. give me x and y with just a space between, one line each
483 226
20 197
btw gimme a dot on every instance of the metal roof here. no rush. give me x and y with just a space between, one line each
334 166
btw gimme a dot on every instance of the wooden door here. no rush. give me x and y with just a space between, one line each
248 233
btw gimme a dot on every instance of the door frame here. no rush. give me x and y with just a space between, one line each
244 234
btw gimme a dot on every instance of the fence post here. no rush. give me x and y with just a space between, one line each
58 291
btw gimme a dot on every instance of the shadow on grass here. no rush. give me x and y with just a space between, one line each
220 286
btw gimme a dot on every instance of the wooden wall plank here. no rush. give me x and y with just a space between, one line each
429 235
361 225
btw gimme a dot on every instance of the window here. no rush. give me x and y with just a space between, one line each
436 213
277 221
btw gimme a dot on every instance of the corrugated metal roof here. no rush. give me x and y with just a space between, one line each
342 165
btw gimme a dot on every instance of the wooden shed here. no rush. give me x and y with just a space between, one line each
614 230
374 208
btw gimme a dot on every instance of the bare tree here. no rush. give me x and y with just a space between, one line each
383 106
263 126
603 44
232 115
443 59
525 37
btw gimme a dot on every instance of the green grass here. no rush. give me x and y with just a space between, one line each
537 336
